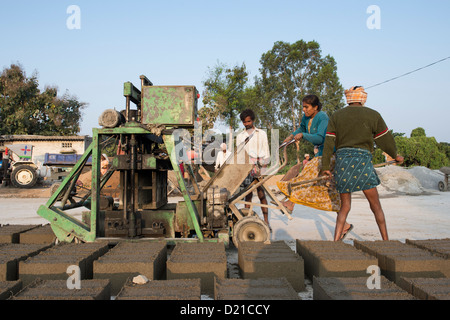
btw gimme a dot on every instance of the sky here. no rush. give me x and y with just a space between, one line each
175 42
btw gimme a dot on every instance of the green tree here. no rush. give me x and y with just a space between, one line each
25 110
223 97
420 150
288 73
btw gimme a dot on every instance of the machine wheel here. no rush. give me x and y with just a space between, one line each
250 228
24 176
441 186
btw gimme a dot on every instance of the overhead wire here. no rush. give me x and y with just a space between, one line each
405 74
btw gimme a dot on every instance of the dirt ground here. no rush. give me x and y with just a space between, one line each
43 188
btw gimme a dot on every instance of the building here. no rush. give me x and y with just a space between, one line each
38 146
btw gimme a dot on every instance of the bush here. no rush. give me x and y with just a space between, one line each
420 150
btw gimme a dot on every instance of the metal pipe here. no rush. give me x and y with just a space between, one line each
132 216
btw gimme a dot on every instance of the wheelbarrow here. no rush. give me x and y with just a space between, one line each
443 185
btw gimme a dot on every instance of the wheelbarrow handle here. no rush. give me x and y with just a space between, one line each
285 144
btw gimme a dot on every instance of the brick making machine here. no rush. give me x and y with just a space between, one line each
149 146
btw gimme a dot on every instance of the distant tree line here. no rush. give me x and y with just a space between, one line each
24 109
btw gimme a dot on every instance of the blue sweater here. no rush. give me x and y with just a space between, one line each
318 130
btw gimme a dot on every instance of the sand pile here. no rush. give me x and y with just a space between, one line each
397 179
428 178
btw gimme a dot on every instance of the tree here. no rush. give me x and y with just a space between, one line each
420 150
223 95
25 110
288 73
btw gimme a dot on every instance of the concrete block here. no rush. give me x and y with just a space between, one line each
52 264
57 290
274 260
12 253
41 234
335 288
254 289
179 289
10 233
427 288
333 259
397 259
202 260
128 259
439 247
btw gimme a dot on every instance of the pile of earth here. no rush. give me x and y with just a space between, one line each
412 181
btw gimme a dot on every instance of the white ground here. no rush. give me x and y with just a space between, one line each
412 211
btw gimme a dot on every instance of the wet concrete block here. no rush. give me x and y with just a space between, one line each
427 288
10 233
52 264
128 259
439 247
274 260
57 290
202 260
12 253
397 259
333 259
180 289
41 234
254 289
9 288
335 288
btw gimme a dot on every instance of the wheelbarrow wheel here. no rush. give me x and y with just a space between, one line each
250 228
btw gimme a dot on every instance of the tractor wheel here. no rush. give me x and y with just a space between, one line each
24 176
250 228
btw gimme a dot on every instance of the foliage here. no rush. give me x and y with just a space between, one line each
223 95
26 110
288 73
420 150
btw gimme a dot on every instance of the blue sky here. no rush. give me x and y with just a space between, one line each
174 43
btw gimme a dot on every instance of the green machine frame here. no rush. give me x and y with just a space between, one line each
160 110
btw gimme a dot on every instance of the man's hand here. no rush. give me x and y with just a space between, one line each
399 159
327 173
298 136
288 138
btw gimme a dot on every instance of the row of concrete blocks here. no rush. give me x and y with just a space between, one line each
30 234
191 269
228 289
207 261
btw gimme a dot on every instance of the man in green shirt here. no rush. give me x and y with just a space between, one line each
353 131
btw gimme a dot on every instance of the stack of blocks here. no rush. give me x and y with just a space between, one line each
204 261
333 259
397 259
180 289
57 290
129 259
258 260
52 263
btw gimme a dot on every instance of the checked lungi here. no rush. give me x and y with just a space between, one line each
354 170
